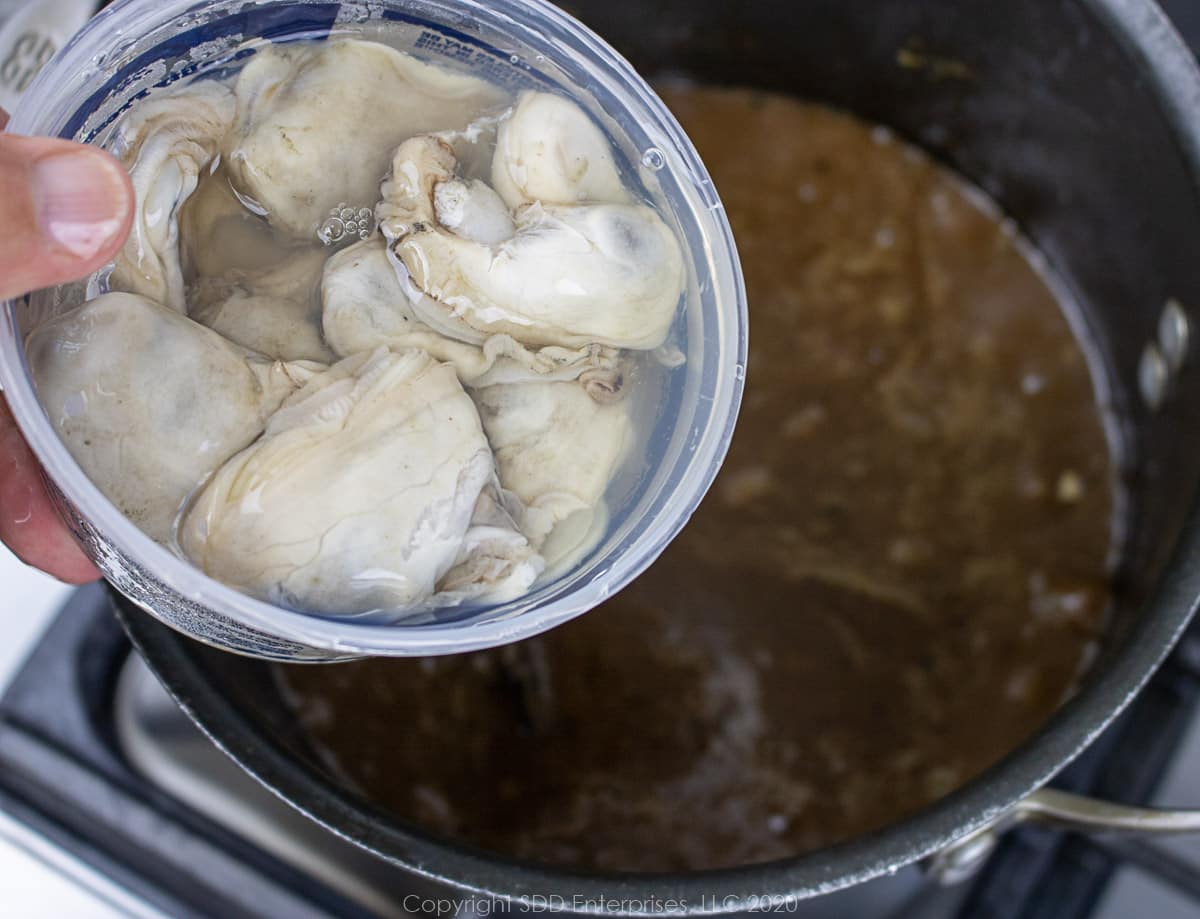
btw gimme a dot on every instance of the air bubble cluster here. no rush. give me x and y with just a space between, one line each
346 222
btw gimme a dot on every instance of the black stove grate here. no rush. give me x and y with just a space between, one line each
62 774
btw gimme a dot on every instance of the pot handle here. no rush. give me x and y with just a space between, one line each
1090 815
1064 810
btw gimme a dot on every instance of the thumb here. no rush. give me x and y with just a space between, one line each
65 209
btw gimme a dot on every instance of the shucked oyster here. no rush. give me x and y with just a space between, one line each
569 275
556 448
164 143
316 123
365 306
148 402
275 311
549 150
245 282
361 496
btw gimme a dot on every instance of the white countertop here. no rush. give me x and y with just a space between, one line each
28 601
39 881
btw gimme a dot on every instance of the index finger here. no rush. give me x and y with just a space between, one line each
29 525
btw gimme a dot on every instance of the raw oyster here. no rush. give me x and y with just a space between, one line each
164 143
149 402
570 275
365 306
556 449
549 150
359 496
316 123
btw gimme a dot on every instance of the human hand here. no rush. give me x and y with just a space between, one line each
65 210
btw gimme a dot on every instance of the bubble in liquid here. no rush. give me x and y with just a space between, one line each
346 221
654 159
332 230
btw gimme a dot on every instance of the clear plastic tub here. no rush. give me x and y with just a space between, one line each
138 44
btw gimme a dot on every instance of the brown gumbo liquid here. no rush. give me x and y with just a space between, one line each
898 575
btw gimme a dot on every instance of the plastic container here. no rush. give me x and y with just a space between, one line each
137 44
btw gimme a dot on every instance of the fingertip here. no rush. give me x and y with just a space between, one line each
83 201
68 208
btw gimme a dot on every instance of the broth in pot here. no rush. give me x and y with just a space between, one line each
901 571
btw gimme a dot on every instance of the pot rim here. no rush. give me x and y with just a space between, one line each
1172 72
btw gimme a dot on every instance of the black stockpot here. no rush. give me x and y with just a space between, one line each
1082 119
